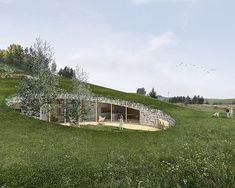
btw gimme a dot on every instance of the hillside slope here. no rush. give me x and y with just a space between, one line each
115 94
198 152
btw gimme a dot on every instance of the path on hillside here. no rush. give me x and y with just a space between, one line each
116 124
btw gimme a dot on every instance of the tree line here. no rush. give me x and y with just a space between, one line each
17 56
178 99
67 72
187 100
152 93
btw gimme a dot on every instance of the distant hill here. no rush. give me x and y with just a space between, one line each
221 101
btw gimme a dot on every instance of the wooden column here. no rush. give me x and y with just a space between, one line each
111 112
65 112
40 113
126 112
49 114
65 115
96 111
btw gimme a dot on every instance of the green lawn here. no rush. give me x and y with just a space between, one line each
198 152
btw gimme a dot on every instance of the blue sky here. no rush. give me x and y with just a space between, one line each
180 47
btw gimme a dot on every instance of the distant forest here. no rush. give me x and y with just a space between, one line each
187 100
17 56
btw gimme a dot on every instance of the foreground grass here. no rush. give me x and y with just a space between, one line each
198 152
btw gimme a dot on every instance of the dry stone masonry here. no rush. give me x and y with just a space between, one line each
148 116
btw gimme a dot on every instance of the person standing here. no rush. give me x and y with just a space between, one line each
121 123
231 112
227 112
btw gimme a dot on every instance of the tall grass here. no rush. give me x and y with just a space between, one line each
198 152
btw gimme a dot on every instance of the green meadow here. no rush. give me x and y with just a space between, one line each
198 152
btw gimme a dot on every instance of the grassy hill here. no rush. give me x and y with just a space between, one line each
221 101
198 152
111 93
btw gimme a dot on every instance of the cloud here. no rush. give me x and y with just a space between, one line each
139 2
124 62
165 39
118 51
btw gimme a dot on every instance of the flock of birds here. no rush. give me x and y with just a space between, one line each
206 70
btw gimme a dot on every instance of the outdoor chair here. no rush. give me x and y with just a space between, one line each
101 120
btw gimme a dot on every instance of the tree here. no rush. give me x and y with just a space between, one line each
42 57
1 55
201 100
141 91
27 61
77 105
67 72
187 100
53 67
40 89
153 93
195 100
14 55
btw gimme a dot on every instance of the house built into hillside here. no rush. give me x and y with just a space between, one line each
109 109
111 112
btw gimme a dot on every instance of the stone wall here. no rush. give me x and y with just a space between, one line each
148 116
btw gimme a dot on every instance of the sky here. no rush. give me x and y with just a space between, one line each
179 47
